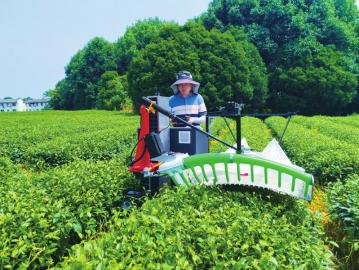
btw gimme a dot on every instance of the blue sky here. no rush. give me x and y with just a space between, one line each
38 37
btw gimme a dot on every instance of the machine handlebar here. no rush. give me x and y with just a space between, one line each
149 102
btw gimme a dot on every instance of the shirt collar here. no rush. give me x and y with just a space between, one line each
190 95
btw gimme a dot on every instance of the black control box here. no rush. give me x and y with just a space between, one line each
188 140
231 108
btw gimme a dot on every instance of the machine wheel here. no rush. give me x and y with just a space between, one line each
126 203
132 198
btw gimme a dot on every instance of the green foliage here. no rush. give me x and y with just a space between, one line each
343 202
97 145
254 130
288 32
322 83
334 129
206 54
44 214
272 25
155 66
136 38
79 88
352 121
310 51
111 93
344 205
4 162
326 158
209 229
54 138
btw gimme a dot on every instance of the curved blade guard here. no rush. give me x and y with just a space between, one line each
235 169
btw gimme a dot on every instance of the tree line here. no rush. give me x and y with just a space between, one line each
271 55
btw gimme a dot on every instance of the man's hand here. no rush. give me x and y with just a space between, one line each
189 119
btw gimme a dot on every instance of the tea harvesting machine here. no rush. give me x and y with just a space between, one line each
180 155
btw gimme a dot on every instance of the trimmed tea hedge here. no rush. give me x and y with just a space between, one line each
206 228
253 129
325 157
96 145
41 215
22 132
332 129
343 204
347 120
5 164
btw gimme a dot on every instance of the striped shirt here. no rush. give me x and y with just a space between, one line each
192 106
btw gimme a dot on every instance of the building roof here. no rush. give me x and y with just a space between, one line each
37 100
12 100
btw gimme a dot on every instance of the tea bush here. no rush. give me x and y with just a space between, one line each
352 120
27 130
45 213
325 157
253 129
206 228
5 163
41 215
343 204
329 128
96 145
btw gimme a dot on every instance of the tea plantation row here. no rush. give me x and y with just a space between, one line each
43 213
80 176
50 139
253 129
208 229
211 228
329 149
327 158
334 129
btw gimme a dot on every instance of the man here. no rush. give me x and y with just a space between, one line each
186 102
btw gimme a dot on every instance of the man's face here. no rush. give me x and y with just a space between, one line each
185 89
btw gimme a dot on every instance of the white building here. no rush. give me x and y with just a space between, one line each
36 104
8 105
19 105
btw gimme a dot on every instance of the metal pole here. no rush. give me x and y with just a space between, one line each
207 129
284 130
239 135
230 130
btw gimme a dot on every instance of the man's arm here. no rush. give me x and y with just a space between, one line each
197 120
202 111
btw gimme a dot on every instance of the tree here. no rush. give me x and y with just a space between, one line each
111 93
85 70
78 90
61 98
272 24
136 38
320 84
229 69
289 33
